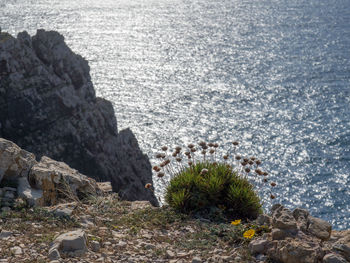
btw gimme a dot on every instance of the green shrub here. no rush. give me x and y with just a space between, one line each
206 186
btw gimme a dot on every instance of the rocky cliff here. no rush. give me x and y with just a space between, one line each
48 106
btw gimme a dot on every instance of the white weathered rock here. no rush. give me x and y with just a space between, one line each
296 251
16 250
72 243
14 162
52 177
319 228
258 246
283 218
32 196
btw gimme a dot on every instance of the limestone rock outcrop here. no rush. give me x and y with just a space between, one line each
48 107
298 237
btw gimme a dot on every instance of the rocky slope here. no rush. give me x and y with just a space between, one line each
48 107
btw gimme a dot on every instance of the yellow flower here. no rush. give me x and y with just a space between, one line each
236 222
249 233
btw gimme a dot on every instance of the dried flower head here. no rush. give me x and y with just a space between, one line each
244 163
204 147
159 155
202 143
187 153
211 144
258 162
193 150
160 175
258 171
164 148
178 149
247 170
225 157
265 174
204 152
204 171
235 143
191 145
272 196
190 163
215 163
251 162
178 159
174 154
265 180
245 160
252 158
212 151
238 157
147 186
273 184
216 145
155 168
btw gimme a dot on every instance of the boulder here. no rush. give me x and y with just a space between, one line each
72 243
296 251
319 228
57 179
33 197
14 161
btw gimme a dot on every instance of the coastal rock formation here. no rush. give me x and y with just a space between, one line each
48 107
47 182
297 237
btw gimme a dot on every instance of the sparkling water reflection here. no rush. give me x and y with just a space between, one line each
274 75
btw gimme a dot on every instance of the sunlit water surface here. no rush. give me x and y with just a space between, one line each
274 75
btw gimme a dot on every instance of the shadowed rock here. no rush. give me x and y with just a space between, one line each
48 106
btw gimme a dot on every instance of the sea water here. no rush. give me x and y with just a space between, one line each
274 75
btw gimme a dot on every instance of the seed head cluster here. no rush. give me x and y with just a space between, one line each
172 162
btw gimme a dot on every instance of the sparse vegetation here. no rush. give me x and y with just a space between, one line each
203 185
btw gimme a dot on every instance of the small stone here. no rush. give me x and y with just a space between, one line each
278 234
54 254
95 246
150 246
333 258
64 212
73 242
5 234
16 250
197 260
258 246
121 244
169 254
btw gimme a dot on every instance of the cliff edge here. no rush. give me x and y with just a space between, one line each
48 106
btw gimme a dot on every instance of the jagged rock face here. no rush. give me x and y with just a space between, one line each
48 106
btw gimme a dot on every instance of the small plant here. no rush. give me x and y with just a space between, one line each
201 184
